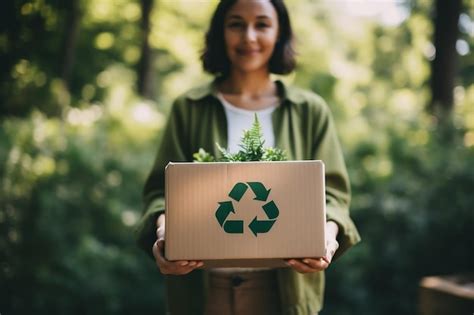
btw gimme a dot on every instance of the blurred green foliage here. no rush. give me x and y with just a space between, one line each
70 198
73 161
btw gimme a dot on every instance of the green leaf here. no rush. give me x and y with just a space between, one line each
251 149
203 156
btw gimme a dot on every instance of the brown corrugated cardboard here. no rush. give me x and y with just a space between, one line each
245 214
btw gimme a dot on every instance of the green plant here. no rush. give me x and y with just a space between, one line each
251 149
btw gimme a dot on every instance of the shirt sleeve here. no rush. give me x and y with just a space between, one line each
326 147
172 148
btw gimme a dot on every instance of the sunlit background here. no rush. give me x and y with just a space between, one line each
86 87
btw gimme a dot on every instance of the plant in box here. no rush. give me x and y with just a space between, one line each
251 149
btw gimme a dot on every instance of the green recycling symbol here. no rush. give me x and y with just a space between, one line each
256 226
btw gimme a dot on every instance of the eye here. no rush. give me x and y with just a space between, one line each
234 25
262 25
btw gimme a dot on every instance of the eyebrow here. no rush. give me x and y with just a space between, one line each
234 16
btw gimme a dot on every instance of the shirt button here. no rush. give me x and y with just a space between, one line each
236 281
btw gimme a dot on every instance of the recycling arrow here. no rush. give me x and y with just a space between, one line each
225 208
261 193
238 191
236 226
256 226
260 226
271 210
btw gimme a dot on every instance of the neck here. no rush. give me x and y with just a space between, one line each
248 84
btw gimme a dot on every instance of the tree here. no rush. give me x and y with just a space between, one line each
72 27
145 73
443 66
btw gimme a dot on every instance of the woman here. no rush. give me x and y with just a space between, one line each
246 42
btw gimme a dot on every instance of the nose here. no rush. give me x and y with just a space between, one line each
250 34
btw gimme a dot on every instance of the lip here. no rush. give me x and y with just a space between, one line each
247 52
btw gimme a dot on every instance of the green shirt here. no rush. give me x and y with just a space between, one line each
304 128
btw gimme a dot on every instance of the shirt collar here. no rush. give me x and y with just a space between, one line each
210 89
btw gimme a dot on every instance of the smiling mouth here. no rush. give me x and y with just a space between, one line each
247 52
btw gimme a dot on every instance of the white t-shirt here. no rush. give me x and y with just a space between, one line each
239 119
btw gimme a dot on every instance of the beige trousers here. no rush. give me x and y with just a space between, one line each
245 293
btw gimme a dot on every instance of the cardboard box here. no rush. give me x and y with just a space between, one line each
447 294
245 214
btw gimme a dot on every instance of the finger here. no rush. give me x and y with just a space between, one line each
177 267
162 263
300 266
161 246
160 231
304 268
181 263
158 253
192 266
182 270
159 259
196 263
198 266
173 263
161 220
319 263
156 250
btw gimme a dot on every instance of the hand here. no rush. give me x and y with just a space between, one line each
309 265
167 267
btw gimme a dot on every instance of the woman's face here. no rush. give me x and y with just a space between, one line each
250 34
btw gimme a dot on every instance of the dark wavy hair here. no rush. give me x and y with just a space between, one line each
214 56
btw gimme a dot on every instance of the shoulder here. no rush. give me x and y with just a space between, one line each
306 100
193 103
197 93
196 96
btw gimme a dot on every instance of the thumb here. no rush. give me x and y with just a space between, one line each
160 233
161 244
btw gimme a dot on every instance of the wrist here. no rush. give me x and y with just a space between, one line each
332 229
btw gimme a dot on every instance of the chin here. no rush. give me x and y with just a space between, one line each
248 66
